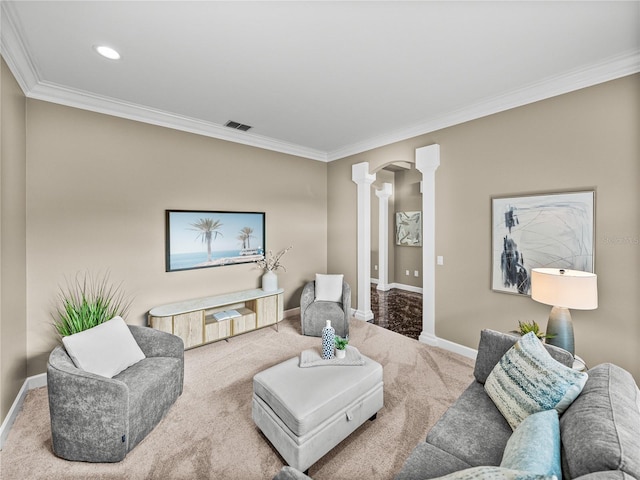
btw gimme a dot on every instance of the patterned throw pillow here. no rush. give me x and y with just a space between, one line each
527 380
494 473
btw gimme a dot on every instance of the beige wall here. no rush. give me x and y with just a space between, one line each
382 176
408 199
584 139
98 187
13 342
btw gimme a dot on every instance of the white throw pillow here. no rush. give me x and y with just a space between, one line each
329 287
106 349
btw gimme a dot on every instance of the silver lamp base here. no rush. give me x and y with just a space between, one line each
561 326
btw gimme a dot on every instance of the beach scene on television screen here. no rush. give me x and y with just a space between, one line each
211 239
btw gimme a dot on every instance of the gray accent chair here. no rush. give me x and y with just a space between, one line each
314 314
99 419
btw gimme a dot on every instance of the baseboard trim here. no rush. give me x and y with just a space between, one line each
292 312
399 286
30 383
457 348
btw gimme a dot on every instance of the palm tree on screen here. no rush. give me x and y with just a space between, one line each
245 236
209 231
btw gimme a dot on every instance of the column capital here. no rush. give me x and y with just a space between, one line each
428 158
385 192
360 174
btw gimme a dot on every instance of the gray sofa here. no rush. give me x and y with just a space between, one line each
600 431
99 419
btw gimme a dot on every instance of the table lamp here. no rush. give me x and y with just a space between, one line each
563 289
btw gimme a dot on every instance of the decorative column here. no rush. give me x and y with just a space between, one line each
427 162
361 176
383 236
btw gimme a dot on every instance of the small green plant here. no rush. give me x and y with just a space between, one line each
526 327
86 302
341 343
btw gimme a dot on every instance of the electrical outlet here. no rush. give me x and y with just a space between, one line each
416 273
375 267
440 260
406 272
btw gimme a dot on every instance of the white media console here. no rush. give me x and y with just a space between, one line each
195 320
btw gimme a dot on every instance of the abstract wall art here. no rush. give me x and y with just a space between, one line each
409 229
540 230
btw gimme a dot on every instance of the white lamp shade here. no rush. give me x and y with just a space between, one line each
565 288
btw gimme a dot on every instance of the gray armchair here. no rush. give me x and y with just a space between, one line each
99 419
314 314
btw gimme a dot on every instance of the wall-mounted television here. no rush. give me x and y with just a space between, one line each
203 238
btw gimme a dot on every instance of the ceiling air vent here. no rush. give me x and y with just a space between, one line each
237 126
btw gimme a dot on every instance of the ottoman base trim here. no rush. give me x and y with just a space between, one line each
302 452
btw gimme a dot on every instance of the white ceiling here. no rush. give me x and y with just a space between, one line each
317 79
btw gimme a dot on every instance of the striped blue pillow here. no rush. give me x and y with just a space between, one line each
494 473
527 380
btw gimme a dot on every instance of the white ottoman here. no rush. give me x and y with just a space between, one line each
305 412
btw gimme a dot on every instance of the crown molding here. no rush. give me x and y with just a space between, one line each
18 59
14 51
17 56
59 94
610 69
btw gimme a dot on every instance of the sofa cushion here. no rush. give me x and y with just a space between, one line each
106 349
535 445
527 380
601 429
428 461
494 473
154 383
472 429
493 345
329 287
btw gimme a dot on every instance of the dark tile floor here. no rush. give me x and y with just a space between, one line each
397 310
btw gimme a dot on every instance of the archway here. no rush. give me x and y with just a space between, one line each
427 162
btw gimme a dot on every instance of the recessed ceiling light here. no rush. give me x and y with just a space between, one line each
107 52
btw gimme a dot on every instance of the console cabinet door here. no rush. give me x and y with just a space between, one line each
267 310
190 327
164 324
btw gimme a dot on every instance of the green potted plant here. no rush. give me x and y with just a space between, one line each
341 346
88 301
526 327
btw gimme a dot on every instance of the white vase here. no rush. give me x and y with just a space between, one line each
269 281
341 353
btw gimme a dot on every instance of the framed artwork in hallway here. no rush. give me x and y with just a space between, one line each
409 229
555 230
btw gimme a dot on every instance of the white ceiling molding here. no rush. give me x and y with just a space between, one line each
611 69
23 68
16 54
87 101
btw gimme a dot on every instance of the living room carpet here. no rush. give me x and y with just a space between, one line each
209 433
